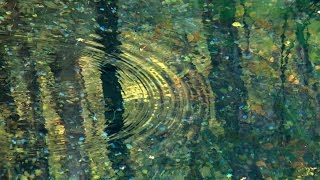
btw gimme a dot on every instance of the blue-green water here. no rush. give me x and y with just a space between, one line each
171 89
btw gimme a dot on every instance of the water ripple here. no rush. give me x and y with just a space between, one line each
157 99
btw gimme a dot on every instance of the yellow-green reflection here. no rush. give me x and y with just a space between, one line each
7 155
56 141
42 47
94 119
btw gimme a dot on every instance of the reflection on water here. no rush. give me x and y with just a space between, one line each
159 89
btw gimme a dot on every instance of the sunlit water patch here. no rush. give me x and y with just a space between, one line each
156 98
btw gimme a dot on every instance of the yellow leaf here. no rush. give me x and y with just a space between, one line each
271 59
287 43
237 24
296 81
291 77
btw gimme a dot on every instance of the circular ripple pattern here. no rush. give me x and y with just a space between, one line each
157 100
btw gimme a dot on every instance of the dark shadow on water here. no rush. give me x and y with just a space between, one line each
113 99
108 30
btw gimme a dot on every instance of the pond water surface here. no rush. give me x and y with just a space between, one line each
159 89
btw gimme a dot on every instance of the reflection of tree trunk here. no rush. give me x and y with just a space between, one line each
28 130
231 94
8 119
303 53
246 27
108 21
66 93
280 97
305 68
24 93
34 122
226 58
8 114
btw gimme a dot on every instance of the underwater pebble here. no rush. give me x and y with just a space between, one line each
129 146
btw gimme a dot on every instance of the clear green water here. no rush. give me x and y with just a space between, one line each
168 89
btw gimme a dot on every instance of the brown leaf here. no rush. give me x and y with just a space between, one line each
267 146
261 163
